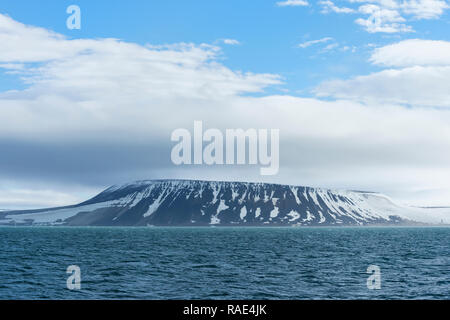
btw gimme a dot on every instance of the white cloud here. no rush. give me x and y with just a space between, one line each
389 16
329 6
66 62
417 86
312 42
17 39
382 20
329 47
117 94
292 3
413 52
390 4
421 77
424 9
385 16
231 42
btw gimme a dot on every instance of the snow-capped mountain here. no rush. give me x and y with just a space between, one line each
192 202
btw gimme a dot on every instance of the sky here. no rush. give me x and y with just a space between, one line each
359 89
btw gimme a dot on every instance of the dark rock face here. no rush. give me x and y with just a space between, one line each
201 203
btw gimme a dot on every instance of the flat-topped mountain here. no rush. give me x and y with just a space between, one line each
202 203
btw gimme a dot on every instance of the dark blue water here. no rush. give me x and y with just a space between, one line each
224 263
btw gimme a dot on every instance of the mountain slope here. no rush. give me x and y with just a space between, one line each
191 202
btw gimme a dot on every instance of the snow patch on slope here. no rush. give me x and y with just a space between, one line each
243 212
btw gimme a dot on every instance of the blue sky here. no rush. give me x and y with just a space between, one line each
269 34
360 90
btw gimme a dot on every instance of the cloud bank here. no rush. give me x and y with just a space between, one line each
100 111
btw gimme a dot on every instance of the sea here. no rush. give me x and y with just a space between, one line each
224 263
